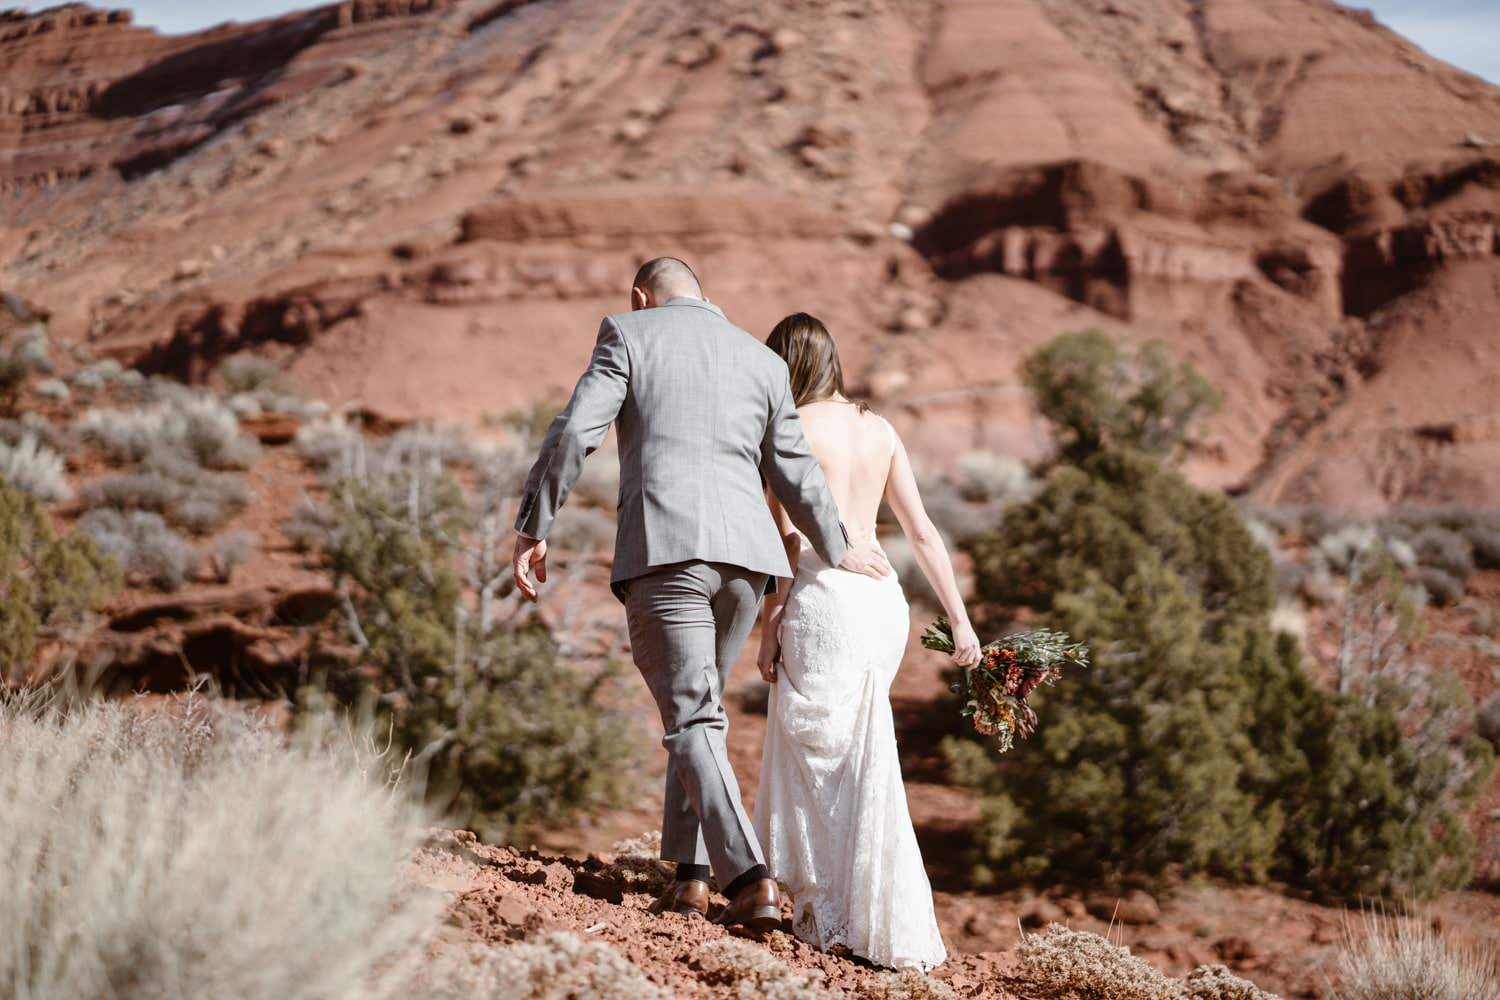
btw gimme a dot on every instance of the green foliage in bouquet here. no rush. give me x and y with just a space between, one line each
517 736
994 692
1197 741
47 584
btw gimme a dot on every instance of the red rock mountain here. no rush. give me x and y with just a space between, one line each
426 205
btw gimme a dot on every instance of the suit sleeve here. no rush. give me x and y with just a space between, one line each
576 432
796 478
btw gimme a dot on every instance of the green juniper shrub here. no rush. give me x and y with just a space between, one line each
1100 395
1197 741
47 583
516 735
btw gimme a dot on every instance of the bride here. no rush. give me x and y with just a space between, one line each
831 810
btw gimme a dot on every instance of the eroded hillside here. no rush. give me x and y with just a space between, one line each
425 205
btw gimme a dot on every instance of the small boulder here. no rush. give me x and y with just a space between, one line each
1042 912
1135 907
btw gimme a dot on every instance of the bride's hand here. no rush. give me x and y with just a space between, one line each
965 645
766 663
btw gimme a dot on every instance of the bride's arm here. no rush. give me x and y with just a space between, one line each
775 604
931 554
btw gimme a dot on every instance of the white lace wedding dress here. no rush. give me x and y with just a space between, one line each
831 810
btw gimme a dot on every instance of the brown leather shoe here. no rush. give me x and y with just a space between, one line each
757 906
685 896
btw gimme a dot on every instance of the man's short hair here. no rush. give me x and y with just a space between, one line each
662 275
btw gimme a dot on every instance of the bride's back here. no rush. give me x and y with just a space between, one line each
854 448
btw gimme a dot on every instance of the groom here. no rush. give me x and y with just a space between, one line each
703 411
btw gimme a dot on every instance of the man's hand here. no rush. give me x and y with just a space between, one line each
529 552
867 559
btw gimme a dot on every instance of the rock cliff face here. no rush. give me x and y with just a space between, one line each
426 204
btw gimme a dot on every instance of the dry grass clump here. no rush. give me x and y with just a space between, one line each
549 967
180 852
906 985
1392 959
1060 961
35 469
226 554
637 864
755 973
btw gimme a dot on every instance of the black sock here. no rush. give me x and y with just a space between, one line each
753 875
686 871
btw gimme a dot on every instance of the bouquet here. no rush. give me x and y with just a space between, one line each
996 688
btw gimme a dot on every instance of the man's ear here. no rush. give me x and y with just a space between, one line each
639 299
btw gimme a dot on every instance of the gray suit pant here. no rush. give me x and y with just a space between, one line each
688 622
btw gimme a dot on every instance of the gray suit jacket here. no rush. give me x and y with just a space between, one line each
704 410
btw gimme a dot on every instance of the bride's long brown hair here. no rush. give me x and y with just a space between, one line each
812 359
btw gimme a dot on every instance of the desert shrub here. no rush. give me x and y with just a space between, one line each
1342 547
1098 395
754 973
14 430
186 853
34 469
196 426
959 520
552 965
1402 552
211 435
48 585
908 984
132 491
1489 720
1449 551
482 697
1265 536
226 554
446 446
193 498
1391 766
599 479
323 441
1485 541
1059 962
26 355
1215 982
244 404
53 389
246 373
530 423
1395 959
312 526
583 530
33 348
208 500
1175 597
143 546
985 477
1443 588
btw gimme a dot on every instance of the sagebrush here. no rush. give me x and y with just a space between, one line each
183 852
